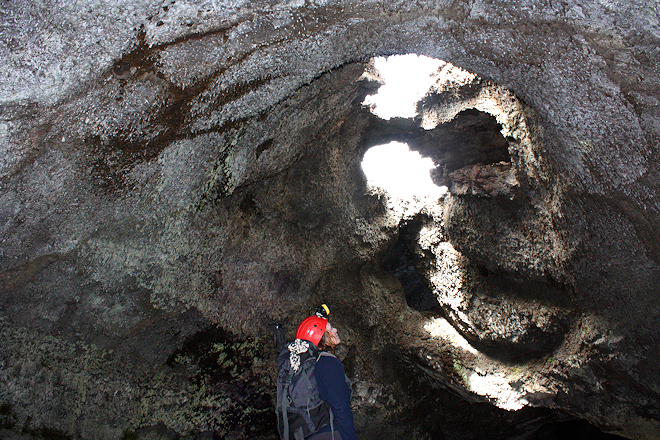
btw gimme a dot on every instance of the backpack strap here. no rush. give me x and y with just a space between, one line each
305 377
325 353
285 404
332 424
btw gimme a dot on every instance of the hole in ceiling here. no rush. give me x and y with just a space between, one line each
407 79
403 173
400 172
450 118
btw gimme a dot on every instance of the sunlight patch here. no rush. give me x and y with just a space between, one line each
439 328
497 387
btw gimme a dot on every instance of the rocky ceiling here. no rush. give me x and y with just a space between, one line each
176 176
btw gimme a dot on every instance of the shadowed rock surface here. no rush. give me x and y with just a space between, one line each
177 176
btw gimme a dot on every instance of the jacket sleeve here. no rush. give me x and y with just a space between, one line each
330 379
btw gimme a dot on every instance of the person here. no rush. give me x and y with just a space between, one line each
331 380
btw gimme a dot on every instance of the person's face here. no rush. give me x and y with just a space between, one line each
331 336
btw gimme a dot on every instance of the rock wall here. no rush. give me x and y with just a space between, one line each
175 176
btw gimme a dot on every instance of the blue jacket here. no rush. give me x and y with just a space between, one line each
331 382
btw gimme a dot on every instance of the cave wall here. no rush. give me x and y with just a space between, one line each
168 167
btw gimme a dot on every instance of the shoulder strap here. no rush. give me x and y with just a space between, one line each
332 424
325 353
285 403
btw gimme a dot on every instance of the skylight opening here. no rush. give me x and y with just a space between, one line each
407 79
393 167
400 172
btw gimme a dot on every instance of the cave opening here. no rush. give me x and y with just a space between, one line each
444 136
407 79
400 172
438 120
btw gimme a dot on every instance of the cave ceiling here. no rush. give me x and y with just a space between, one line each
176 176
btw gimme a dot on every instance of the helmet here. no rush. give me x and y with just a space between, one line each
312 329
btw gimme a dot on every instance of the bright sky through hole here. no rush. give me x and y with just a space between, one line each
393 167
407 79
399 171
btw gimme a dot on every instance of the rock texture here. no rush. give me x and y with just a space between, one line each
175 176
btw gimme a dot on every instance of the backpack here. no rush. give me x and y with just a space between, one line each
300 410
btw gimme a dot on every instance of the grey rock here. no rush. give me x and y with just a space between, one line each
176 176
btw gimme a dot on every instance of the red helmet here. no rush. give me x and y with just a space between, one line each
312 329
